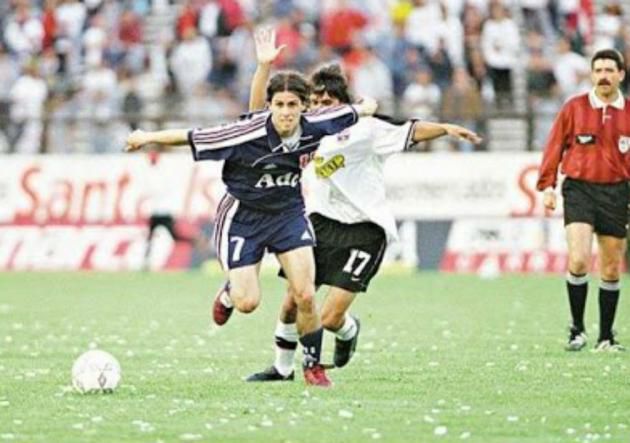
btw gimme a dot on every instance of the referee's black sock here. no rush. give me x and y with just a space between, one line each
608 299
312 347
577 287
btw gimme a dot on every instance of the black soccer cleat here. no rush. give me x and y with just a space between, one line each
270 374
344 349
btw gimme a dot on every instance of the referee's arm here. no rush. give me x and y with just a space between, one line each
552 155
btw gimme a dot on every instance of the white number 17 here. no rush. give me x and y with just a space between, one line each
354 268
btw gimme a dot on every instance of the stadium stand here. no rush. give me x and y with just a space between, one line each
80 74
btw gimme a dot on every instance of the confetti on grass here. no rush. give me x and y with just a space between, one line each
343 413
440 430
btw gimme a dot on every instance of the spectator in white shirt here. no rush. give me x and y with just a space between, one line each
71 15
422 97
372 78
99 98
500 45
421 29
608 27
8 75
191 62
451 32
94 40
570 69
24 33
28 97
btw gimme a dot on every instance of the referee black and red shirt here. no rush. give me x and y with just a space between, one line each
591 140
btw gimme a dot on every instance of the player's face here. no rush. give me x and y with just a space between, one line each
286 108
322 101
606 77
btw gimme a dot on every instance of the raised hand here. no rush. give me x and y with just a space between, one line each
265 40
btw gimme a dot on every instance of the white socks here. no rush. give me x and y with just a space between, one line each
226 300
286 337
348 330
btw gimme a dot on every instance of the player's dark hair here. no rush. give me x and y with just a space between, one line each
289 81
330 79
609 54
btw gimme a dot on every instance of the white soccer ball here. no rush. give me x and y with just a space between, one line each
95 371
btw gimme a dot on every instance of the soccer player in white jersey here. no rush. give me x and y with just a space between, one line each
348 212
263 209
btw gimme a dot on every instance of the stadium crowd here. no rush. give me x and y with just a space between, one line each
77 75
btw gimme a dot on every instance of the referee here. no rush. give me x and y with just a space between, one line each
590 139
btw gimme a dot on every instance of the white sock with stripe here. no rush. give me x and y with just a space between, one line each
286 338
225 298
348 330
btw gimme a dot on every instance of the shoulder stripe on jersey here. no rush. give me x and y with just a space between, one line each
210 137
324 110
232 141
221 133
331 113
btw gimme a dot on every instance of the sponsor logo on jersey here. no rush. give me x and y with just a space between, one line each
585 139
624 144
269 181
325 169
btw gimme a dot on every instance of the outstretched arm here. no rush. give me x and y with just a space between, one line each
424 131
266 53
169 137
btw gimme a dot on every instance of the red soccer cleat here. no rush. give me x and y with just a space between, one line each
316 376
220 313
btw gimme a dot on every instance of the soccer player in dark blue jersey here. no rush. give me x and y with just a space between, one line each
349 211
263 208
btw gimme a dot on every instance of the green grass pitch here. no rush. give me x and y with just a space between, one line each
441 358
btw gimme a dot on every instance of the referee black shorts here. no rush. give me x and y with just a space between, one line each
601 205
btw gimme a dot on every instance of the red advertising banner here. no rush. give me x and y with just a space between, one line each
91 212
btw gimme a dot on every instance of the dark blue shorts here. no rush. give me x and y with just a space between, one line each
242 235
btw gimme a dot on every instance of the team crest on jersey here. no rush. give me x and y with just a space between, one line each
343 135
325 169
624 144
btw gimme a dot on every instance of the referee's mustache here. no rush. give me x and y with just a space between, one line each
603 83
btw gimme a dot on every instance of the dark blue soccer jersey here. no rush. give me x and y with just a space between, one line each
259 170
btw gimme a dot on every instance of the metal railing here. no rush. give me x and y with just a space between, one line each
502 131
